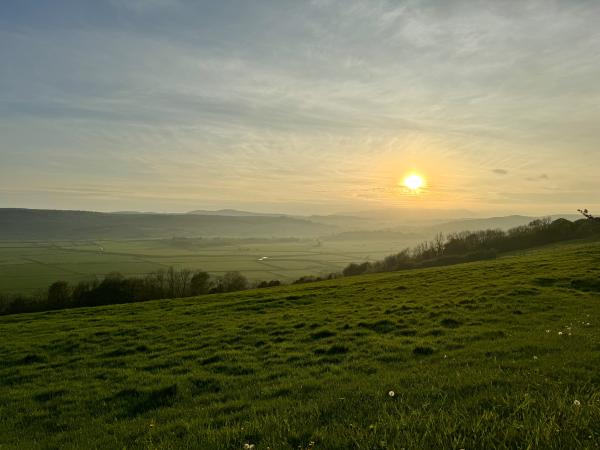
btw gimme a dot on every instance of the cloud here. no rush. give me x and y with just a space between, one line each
302 96
543 176
142 6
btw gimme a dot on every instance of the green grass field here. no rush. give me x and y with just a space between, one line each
500 354
28 267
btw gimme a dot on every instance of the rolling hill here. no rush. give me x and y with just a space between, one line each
492 223
498 354
232 213
30 224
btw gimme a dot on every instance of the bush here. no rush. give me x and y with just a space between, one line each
200 283
59 294
230 282
356 269
267 284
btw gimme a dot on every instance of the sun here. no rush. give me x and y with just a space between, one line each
414 182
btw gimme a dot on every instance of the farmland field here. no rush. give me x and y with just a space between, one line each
498 355
32 266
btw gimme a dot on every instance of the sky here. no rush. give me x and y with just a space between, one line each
300 107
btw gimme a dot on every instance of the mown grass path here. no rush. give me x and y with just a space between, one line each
497 355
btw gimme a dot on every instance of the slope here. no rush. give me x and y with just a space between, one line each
497 354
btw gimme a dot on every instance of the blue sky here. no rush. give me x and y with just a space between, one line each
299 106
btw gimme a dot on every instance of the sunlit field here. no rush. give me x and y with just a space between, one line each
32 266
498 355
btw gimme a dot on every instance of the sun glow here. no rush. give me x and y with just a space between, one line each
414 182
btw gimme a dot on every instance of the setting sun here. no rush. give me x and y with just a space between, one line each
414 182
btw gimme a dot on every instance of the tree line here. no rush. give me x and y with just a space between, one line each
468 246
115 288
443 250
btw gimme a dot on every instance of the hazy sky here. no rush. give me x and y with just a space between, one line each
299 106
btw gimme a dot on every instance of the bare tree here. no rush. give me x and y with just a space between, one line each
439 241
171 281
184 281
587 214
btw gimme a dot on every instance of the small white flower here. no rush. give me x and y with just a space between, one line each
569 334
577 403
445 356
560 333
248 446
391 393
547 331
535 357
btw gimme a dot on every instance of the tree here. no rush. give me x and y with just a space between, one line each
185 276
199 284
587 214
114 288
59 294
156 284
81 292
171 281
267 284
356 269
234 281
439 242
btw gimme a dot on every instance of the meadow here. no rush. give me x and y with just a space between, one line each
497 354
31 266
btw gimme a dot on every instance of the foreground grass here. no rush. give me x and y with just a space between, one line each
501 354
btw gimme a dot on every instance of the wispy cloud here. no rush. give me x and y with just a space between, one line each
339 98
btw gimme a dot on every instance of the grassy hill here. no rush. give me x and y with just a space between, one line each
497 354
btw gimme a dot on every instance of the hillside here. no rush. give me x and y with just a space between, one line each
232 213
31 224
497 354
492 223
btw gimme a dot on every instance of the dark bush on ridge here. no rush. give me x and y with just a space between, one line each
200 283
266 284
230 282
312 278
59 294
356 269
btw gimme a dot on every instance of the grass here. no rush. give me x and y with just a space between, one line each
27 267
499 355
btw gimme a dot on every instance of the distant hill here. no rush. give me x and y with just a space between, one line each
233 213
411 216
374 235
36 224
31 224
503 223
349 223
